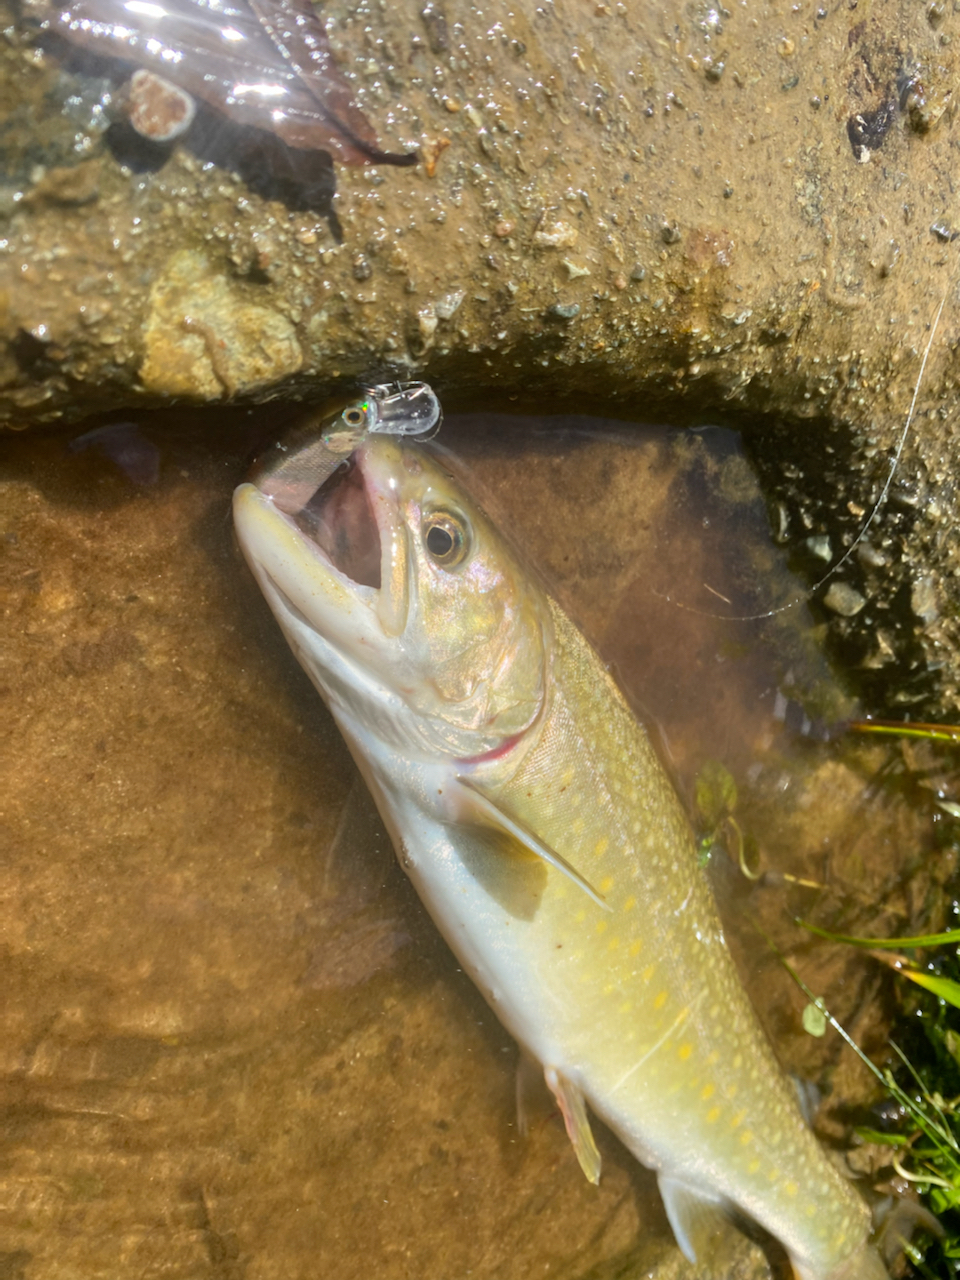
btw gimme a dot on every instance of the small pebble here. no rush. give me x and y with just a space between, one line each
843 599
563 311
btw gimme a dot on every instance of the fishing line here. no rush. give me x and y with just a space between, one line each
894 464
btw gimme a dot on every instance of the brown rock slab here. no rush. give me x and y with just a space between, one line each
204 338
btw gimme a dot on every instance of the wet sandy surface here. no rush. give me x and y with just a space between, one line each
233 1044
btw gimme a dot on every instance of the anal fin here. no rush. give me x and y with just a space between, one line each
697 1219
573 1108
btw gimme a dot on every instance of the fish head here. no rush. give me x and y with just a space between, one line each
408 610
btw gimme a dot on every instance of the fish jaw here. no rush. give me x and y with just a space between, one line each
298 578
332 625
345 611
380 467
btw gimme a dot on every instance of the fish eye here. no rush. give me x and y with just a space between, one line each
445 538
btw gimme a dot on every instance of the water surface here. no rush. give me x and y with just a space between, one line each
234 1045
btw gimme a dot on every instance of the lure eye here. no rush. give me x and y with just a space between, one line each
445 538
355 415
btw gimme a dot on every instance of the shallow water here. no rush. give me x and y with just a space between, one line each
234 1045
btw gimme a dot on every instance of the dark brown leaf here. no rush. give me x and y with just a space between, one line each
269 68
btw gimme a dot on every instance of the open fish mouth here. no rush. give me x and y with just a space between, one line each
339 519
330 540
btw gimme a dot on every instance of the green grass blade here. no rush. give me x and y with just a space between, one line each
881 1139
881 944
942 988
903 729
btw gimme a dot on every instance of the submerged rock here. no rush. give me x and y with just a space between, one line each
233 1043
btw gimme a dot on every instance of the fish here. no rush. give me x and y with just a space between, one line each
528 806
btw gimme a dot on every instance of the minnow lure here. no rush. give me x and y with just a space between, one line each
530 811
262 63
292 471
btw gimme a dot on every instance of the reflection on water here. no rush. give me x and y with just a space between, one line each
234 1044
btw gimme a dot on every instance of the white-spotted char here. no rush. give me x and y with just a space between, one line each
548 845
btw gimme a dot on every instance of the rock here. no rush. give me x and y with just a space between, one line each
67 185
204 338
158 109
841 598
732 246
923 600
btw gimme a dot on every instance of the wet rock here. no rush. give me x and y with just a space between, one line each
819 546
576 145
448 306
67 185
557 235
157 109
843 599
204 338
563 311
923 600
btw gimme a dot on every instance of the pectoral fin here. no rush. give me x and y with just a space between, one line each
576 1121
697 1220
479 808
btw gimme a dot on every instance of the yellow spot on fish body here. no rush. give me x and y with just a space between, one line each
613 944
601 926
738 1119
746 1137
707 1092
630 903
712 1057
636 947
601 847
791 1188
577 826
660 1000
713 1115
753 1166
684 1052
648 972
606 884
773 1175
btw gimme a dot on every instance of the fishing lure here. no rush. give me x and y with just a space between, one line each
296 467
